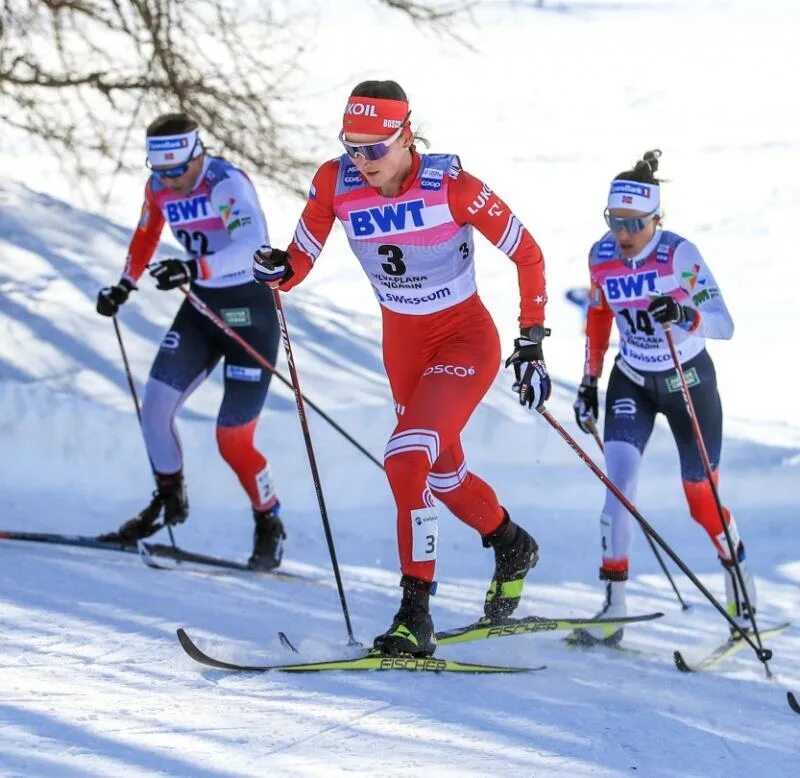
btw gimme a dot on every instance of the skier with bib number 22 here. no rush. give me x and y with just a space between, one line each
212 208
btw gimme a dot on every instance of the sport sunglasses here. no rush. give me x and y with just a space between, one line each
372 151
631 225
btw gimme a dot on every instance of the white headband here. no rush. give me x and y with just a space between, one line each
166 150
634 195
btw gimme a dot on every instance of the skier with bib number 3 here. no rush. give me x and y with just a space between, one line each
645 277
212 208
409 219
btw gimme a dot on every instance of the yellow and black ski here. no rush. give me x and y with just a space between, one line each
724 650
484 630
371 660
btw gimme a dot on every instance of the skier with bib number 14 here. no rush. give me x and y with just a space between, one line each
645 278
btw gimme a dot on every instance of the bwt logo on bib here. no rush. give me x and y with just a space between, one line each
632 287
388 218
188 210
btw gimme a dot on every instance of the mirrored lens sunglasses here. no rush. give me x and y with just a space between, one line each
172 172
629 224
375 150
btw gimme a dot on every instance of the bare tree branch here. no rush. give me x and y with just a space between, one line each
83 74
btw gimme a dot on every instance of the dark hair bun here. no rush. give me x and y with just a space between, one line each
650 159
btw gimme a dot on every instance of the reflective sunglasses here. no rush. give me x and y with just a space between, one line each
172 172
372 151
631 224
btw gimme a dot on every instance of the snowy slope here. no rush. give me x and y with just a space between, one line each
92 681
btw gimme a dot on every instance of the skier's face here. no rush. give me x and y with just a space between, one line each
184 183
632 229
388 172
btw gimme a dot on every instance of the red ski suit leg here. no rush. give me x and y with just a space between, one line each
237 447
439 366
703 508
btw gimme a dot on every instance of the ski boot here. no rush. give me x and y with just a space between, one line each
735 601
614 607
515 553
169 496
268 538
411 631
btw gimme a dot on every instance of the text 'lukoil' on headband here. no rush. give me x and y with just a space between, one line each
169 150
372 116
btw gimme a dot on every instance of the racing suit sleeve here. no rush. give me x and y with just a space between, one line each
314 225
145 239
599 320
472 202
235 200
708 315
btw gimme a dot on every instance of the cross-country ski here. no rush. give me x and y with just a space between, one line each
724 650
170 557
371 660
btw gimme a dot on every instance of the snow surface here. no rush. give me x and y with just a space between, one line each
548 107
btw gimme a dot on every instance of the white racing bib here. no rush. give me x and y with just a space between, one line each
424 534
265 485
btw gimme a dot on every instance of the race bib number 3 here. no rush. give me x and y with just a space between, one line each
424 534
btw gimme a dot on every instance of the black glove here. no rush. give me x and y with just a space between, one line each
532 381
586 406
271 266
109 298
665 310
171 273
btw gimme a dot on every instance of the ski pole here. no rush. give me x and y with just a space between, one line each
137 405
208 313
301 412
596 435
701 447
764 654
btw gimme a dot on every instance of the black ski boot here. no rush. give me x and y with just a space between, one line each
170 496
515 553
411 631
268 538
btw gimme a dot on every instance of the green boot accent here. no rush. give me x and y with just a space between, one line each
411 631
516 552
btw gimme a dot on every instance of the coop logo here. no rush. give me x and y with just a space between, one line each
607 249
189 210
630 287
457 370
360 109
387 219
431 178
